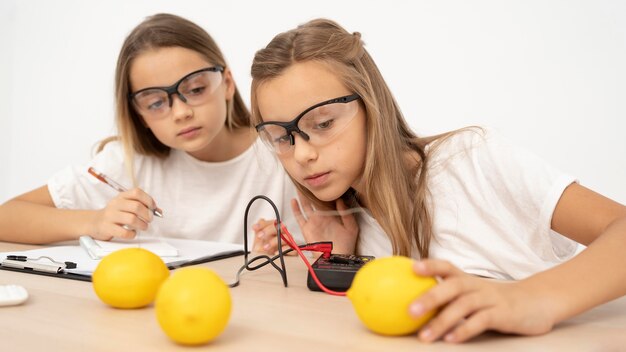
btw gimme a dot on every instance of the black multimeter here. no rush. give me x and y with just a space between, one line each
337 271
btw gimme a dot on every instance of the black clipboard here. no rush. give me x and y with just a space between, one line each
63 275
171 266
206 259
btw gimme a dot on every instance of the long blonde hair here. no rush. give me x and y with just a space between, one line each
395 190
162 31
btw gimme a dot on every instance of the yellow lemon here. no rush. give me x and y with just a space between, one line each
193 306
382 291
129 277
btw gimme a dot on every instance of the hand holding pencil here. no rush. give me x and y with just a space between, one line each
129 211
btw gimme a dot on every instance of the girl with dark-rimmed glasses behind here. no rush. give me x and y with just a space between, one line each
185 144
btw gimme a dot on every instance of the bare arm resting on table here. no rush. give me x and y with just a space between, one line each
534 305
33 218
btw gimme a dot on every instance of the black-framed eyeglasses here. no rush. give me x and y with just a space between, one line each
194 89
317 125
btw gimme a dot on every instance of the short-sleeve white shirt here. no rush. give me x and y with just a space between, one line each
492 206
200 200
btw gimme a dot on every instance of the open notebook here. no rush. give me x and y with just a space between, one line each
188 252
98 249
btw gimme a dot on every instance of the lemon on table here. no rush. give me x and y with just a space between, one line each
193 306
382 291
129 277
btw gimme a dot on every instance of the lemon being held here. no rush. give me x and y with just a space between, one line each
129 278
193 306
382 291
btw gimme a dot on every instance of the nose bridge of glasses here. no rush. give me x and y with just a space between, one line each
303 151
293 128
303 135
171 91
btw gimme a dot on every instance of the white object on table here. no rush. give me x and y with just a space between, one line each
11 295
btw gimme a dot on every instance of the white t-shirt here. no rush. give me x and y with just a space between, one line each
492 205
200 200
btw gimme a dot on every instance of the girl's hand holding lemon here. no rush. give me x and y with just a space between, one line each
382 291
470 305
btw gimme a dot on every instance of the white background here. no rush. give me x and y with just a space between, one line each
550 75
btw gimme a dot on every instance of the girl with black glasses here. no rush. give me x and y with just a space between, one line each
185 145
466 203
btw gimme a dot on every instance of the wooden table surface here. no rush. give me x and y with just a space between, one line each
66 315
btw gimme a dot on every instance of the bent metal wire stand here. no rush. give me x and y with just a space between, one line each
282 234
267 259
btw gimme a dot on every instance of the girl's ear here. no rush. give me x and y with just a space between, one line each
229 81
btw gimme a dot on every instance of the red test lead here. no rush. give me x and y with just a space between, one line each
320 246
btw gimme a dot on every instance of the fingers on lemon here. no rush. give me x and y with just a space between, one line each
382 291
193 306
129 278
